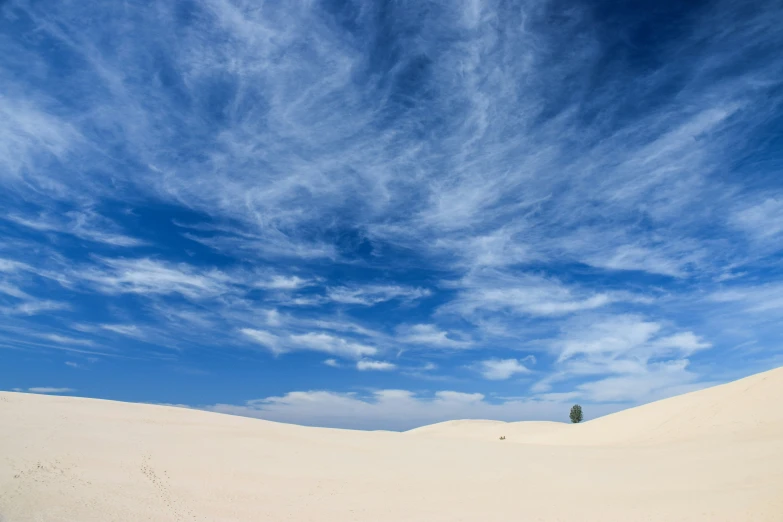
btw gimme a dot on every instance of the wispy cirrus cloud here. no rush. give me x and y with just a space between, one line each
327 343
14 275
310 341
752 298
84 225
10 265
369 295
128 330
656 381
264 338
281 282
149 276
617 337
46 390
429 335
680 141
524 294
624 348
35 307
365 365
675 258
31 137
762 220
501 369
61 339
122 329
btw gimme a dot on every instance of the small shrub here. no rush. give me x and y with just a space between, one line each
576 414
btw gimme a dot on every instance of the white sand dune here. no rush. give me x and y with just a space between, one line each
749 409
713 455
491 429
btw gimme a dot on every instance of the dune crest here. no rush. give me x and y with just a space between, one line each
712 455
745 409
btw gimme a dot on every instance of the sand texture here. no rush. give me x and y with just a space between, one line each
712 455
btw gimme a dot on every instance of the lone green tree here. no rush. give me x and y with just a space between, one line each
576 414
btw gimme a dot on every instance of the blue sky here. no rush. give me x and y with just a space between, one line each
386 214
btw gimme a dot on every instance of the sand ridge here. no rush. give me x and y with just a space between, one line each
712 455
747 408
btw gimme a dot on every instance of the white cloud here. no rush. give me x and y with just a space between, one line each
129 330
500 199
13 291
46 389
497 248
332 362
495 291
625 358
279 282
501 369
84 225
326 343
61 339
756 299
656 381
685 343
314 300
398 409
365 364
614 341
429 335
13 276
373 294
273 318
148 276
267 339
9 265
30 136
634 257
762 220
310 341
614 336
35 307
265 244
343 326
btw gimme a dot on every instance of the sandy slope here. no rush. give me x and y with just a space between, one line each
712 455
749 409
